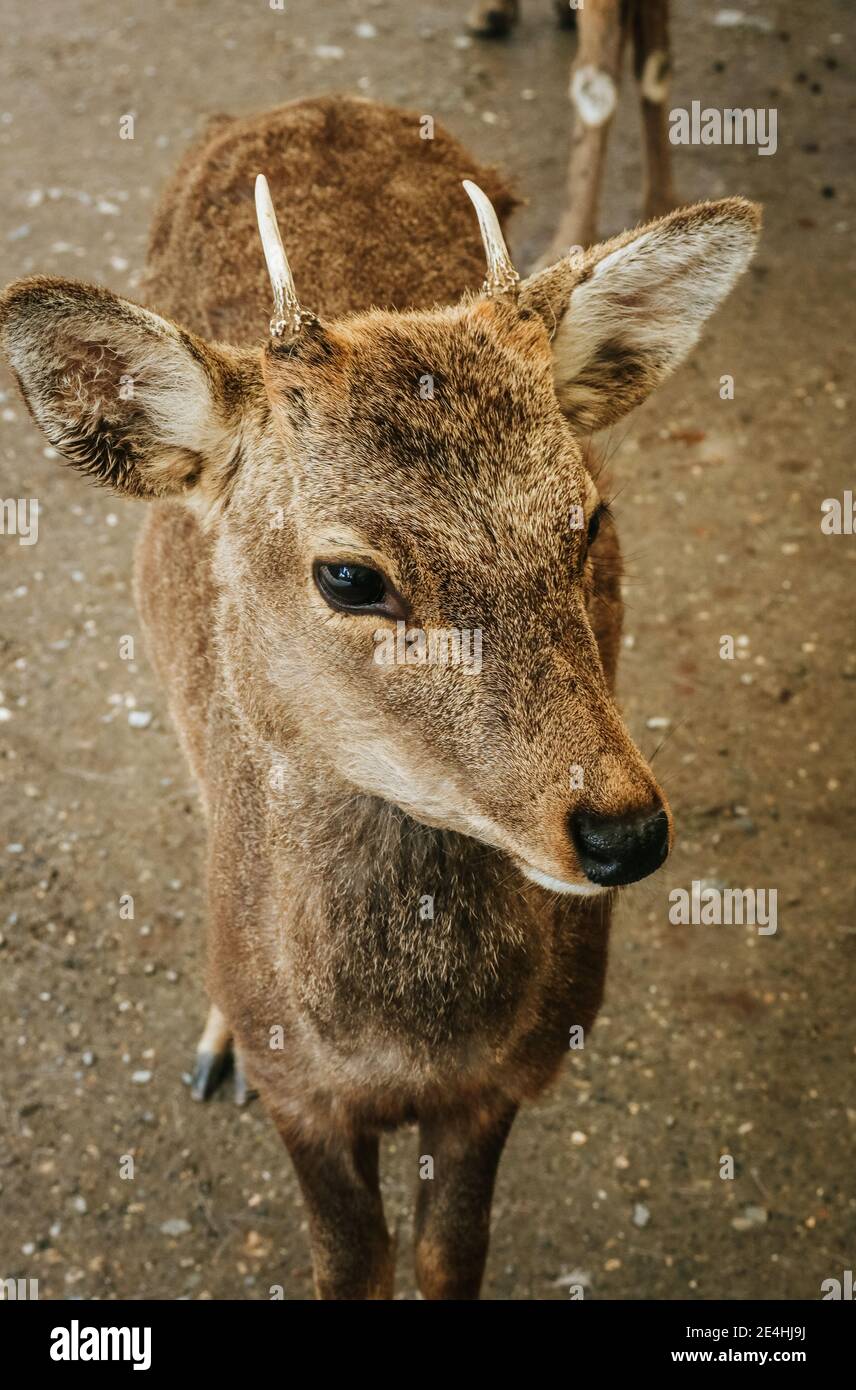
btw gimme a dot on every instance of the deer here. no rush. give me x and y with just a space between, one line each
411 866
604 30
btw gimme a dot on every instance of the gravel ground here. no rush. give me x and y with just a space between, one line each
714 1040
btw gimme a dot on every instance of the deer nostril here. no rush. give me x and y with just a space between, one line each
613 850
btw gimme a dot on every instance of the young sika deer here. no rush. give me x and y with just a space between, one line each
420 464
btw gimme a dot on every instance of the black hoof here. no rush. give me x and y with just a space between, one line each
495 22
208 1072
243 1091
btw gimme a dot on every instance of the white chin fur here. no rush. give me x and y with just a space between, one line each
558 885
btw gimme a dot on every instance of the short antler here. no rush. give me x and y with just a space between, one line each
501 277
289 316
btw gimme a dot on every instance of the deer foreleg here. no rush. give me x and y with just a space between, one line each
652 65
453 1203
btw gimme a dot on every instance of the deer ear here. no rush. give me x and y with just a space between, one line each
626 314
126 396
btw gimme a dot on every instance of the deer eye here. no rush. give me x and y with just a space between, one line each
356 589
594 524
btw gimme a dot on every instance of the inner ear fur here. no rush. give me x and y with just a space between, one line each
625 313
129 398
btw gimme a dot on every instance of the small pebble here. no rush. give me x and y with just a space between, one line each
177 1226
752 1217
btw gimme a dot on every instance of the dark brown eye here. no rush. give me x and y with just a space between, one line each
594 524
355 589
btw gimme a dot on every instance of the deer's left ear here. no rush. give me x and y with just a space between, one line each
628 312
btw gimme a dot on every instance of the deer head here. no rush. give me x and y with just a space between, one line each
421 468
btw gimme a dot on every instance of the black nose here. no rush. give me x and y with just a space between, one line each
620 849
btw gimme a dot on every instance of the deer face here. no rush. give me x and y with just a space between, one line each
408 543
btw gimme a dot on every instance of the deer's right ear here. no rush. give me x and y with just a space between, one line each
624 315
126 396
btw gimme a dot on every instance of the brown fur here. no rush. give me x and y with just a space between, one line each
340 794
380 248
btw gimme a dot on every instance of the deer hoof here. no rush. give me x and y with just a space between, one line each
242 1090
211 1069
492 19
208 1072
213 1052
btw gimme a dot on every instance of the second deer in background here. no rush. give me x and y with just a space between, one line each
603 28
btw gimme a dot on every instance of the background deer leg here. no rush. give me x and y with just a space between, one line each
595 77
652 66
566 13
453 1206
353 1256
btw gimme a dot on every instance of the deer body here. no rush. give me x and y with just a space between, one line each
409 896
387 1015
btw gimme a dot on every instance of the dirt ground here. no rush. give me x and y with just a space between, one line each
715 1040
